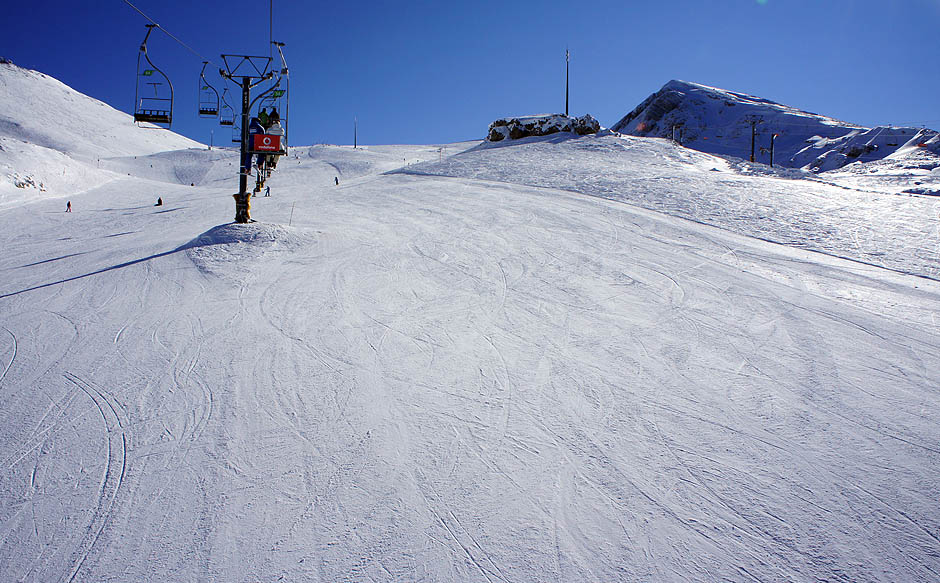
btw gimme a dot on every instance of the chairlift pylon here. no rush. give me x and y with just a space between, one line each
208 96
157 108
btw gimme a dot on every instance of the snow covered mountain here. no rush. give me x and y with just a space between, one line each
600 358
720 122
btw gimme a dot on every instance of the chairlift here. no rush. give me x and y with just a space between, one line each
226 113
157 108
208 96
272 103
277 97
272 143
236 132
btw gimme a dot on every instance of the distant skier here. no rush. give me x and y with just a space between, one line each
267 191
336 178
159 201
68 206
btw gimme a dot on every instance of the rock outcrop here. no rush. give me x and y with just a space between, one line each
514 128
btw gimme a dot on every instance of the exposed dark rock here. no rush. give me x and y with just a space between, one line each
515 128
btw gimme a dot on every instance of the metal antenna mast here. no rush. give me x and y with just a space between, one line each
567 60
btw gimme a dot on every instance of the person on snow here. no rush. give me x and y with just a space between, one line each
159 201
267 191
68 206
336 178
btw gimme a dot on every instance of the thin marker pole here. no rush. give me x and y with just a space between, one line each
567 60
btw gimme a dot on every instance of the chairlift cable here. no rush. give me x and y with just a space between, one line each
169 34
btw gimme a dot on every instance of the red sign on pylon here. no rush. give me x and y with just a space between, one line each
267 143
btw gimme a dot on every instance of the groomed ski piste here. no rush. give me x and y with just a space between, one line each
558 359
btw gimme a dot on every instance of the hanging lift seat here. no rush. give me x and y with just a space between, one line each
152 116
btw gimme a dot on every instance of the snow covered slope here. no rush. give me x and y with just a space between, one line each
511 373
52 137
788 207
45 112
719 122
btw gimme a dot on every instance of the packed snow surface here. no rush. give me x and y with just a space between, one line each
582 359
784 206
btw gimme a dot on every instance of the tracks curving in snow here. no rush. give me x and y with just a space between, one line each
9 365
115 470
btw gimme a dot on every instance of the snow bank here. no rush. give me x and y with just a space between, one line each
228 249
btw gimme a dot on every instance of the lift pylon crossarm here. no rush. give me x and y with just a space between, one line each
251 66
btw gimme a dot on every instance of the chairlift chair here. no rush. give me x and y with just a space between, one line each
226 113
158 108
208 95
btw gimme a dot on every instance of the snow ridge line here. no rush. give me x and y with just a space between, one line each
110 483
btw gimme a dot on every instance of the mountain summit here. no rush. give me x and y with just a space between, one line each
721 122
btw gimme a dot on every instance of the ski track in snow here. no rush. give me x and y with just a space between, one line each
431 378
115 469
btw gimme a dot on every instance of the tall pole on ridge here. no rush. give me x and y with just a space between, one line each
567 60
772 138
754 120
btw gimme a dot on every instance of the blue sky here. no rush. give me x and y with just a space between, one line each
430 72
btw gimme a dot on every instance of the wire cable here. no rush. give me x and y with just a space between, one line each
171 35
